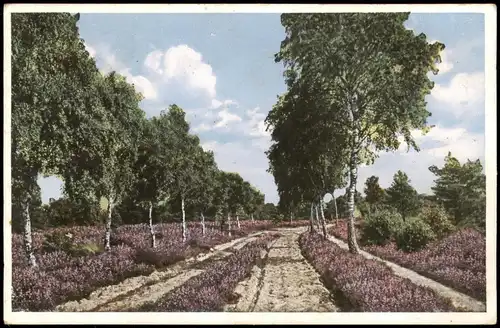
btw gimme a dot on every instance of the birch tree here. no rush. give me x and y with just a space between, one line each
204 194
154 166
373 70
187 160
54 105
126 119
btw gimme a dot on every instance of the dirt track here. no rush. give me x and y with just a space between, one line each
283 282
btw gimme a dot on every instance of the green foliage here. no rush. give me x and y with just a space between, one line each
67 212
85 249
381 227
438 219
461 188
37 212
277 218
414 235
57 241
374 193
342 206
402 196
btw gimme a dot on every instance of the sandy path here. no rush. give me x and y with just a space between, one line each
283 282
459 300
137 291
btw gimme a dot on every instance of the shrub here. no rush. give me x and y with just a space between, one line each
278 218
381 227
58 241
199 244
157 258
437 218
86 249
414 235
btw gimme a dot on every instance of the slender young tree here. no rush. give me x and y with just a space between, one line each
115 174
155 177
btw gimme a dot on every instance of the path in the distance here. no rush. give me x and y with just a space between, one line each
283 281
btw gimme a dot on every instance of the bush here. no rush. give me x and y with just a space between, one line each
437 218
86 249
381 227
414 235
278 218
157 258
58 241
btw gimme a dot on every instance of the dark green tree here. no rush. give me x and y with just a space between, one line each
461 189
402 196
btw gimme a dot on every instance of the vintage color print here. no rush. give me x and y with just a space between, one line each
204 162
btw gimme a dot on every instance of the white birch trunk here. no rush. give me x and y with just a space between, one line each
351 232
311 220
183 221
317 217
353 177
323 221
202 224
107 237
238 221
229 223
27 239
151 227
251 216
335 205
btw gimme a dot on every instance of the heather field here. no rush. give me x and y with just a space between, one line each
366 285
263 266
458 260
62 277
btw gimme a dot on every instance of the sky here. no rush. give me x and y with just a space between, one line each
220 69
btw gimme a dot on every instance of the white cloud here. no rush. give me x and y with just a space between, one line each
466 146
225 103
153 61
90 50
209 145
435 145
185 65
107 62
203 127
225 118
256 126
142 84
464 92
446 64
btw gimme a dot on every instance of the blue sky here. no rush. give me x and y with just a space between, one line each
220 69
